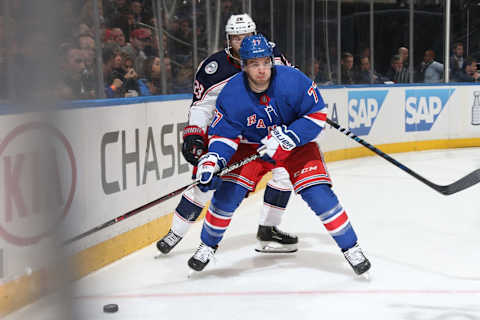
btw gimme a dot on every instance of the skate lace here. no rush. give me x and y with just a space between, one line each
171 238
355 255
204 253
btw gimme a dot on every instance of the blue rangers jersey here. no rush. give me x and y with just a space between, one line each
292 100
209 80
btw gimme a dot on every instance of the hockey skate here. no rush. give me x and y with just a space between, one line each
201 257
358 261
167 243
273 240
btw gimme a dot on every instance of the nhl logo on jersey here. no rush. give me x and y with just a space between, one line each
211 68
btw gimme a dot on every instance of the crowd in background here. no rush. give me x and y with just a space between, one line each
429 70
130 57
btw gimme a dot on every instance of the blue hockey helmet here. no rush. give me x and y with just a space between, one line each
255 46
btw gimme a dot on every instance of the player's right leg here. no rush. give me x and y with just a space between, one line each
312 181
277 193
225 201
190 206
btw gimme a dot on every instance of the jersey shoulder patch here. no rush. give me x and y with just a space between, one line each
211 67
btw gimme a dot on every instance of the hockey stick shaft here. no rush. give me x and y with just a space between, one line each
172 194
459 185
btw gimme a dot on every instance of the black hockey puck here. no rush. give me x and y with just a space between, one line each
110 308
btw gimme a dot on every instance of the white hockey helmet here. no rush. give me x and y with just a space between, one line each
240 24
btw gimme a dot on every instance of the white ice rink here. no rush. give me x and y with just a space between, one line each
424 248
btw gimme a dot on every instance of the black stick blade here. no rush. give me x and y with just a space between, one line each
466 182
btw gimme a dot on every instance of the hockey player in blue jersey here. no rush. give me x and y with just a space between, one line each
281 111
209 80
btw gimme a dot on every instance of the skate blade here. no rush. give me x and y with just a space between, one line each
158 256
274 247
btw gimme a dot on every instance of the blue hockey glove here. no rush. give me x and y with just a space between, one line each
278 144
208 165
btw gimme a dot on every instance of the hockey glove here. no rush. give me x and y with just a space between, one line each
208 165
278 144
194 144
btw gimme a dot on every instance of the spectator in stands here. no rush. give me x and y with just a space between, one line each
319 75
136 9
316 69
120 82
469 71
86 41
403 52
109 40
347 68
456 60
113 80
127 61
397 73
120 40
364 75
87 15
364 52
83 29
116 8
152 75
86 44
184 33
89 76
183 79
72 86
140 39
432 70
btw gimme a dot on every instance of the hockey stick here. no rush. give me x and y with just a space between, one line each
172 194
459 185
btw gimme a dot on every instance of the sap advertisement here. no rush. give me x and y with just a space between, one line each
423 107
401 114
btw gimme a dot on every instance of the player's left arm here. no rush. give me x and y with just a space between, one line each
223 143
224 134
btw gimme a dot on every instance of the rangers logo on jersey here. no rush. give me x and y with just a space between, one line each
211 68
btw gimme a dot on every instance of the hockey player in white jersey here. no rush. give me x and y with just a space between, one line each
209 80
281 111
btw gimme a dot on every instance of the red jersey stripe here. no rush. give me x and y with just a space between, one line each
215 221
318 115
341 219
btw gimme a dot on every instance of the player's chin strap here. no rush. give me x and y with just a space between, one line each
260 152
459 185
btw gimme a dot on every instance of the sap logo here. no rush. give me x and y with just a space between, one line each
422 107
363 109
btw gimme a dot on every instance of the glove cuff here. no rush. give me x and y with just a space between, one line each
215 158
287 139
194 130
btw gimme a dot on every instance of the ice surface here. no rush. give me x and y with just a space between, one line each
424 249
